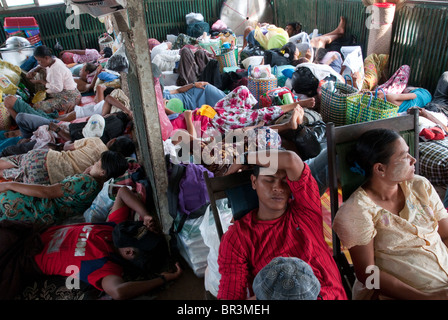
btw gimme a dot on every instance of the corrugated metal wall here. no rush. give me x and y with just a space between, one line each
420 37
51 21
324 15
164 15
420 29
421 41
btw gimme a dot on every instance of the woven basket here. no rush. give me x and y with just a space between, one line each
259 87
226 59
212 47
366 107
105 41
380 30
334 102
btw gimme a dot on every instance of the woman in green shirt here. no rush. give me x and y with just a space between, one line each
54 203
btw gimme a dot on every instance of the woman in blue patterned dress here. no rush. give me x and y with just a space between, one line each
48 204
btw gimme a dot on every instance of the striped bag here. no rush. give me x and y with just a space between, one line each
433 161
226 59
260 86
334 101
366 107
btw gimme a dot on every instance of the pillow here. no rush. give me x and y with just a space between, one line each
107 77
75 69
252 61
242 200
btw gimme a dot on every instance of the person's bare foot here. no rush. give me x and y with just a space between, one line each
307 103
12 134
341 27
53 126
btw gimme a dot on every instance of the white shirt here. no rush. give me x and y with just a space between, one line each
89 110
59 78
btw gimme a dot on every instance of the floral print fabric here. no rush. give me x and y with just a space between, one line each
236 111
79 191
59 101
30 167
398 82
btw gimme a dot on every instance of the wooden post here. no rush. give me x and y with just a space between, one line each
144 105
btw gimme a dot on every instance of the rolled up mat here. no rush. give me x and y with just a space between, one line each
380 28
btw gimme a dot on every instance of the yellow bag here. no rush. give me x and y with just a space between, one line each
5 118
273 31
39 96
207 111
7 86
9 77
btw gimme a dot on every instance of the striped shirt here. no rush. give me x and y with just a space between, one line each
250 244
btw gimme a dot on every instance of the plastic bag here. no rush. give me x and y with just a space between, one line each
165 123
7 86
219 25
300 38
211 239
197 29
99 209
11 71
354 62
280 36
252 61
261 71
194 17
39 96
250 52
191 245
118 62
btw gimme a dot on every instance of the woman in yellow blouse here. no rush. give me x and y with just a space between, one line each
394 225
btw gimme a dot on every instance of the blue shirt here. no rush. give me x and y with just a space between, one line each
423 98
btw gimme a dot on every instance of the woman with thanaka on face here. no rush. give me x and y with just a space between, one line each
395 222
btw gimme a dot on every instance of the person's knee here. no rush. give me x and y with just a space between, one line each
10 101
444 77
20 118
248 29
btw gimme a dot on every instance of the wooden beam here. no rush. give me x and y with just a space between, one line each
144 105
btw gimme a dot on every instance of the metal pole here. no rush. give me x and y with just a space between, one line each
144 105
